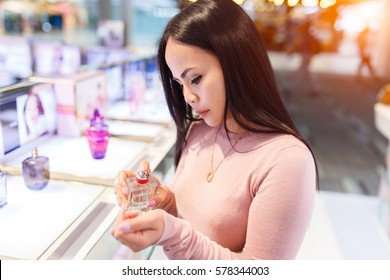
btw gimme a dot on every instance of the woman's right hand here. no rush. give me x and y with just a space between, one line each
121 189
162 198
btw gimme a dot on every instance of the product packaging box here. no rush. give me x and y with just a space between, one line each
77 96
27 112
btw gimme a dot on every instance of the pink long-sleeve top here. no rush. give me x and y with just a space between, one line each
258 205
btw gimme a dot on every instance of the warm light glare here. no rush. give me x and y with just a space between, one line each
292 3
356 17
327 3
239 2
309 3
278 2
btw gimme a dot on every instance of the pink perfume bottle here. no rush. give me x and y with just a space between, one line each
98 136
141 188
36 173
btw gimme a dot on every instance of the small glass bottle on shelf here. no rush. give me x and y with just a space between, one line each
97 135
36 172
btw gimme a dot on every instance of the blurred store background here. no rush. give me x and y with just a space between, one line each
335 88
339 90
315 47
334 22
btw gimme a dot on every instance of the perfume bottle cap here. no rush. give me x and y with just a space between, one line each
97 120
34 153
142 177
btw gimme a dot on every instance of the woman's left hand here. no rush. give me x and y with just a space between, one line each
138 231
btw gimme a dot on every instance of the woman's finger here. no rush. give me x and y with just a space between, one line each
121 189
158 197
144 166
123 215
152 220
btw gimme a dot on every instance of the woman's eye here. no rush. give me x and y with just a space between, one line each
196 80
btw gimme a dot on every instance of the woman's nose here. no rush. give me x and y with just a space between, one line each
189 96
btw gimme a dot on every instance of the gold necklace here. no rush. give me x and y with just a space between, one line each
210 175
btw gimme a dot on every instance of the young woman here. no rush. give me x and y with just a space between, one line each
245 179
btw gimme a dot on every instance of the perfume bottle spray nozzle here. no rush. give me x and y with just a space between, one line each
34 153
97 121
142 177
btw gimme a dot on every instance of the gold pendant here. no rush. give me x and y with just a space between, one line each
210 176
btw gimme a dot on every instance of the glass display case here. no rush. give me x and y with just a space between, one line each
71 217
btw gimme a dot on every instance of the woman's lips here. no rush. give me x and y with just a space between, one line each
202 114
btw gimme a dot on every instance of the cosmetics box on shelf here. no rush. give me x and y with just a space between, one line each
28 119
54 58
70 156
77 97
27 112
143 97
16 57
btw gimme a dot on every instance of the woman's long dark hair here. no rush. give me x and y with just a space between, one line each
223 28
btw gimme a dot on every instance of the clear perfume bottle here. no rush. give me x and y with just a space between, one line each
97 135
141 187
36 173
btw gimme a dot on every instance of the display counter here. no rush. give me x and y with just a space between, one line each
71 217
70 157
33 221
65 220
72 220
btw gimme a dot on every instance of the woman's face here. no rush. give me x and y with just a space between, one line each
32 110
200 75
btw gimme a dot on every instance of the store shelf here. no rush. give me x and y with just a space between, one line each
70 159
33 220
152 113
147 132
71 218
